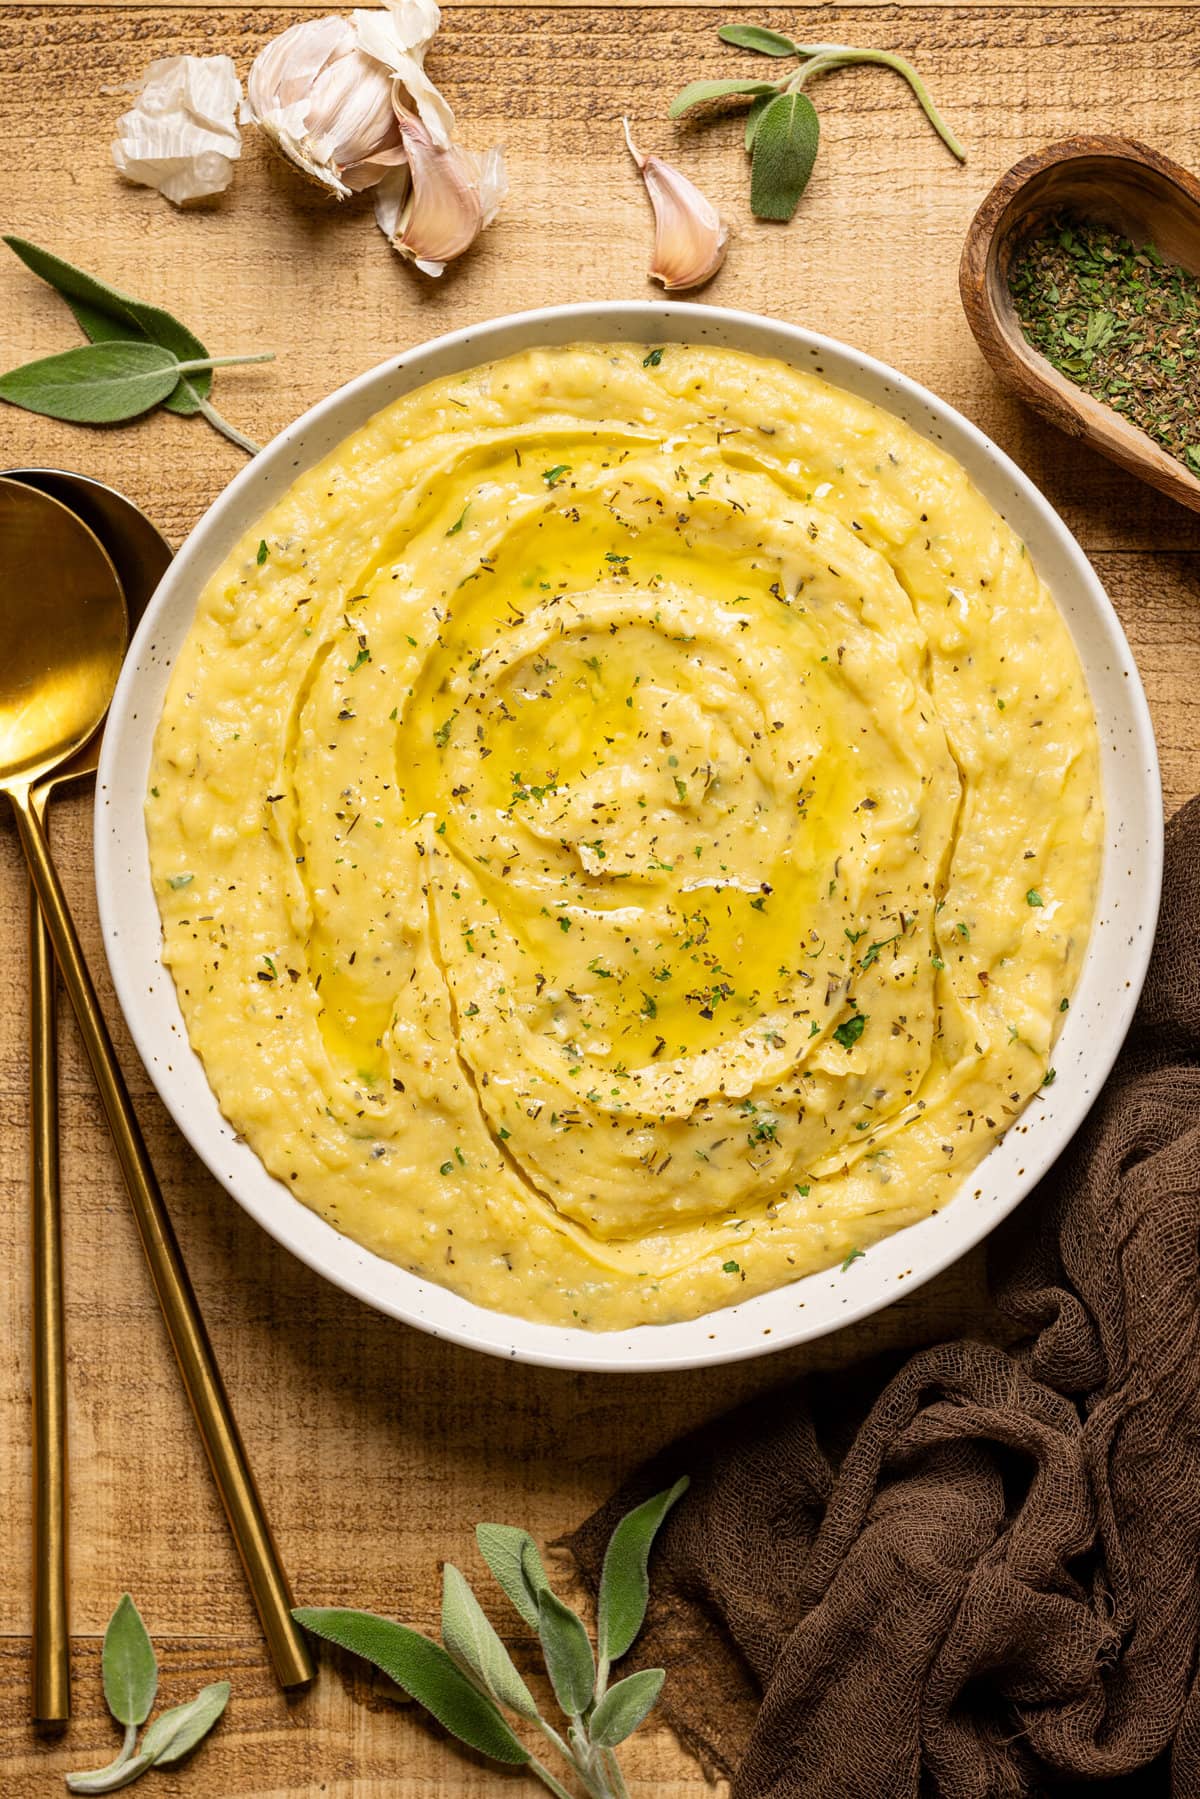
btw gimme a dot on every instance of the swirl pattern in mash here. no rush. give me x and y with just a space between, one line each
629 836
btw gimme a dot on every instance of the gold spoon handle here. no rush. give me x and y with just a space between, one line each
201 1376
51 1635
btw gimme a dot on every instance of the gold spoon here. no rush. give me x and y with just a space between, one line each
63 630
141 557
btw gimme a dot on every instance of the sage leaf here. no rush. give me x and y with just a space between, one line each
625 1706
757 109
785 149
426 1673
121 1773
504 1548
698 91
758 37
175 1733
568 1653
471 1639
129 1665
96 384
103 312
624 1581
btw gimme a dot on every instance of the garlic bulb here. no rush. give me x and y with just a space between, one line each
435 208
182 135
689 238
349 102
325 105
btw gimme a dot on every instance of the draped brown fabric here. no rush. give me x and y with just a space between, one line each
976 1576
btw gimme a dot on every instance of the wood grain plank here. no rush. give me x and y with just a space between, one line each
377 1449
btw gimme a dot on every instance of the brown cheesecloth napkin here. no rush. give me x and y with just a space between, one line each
978 1577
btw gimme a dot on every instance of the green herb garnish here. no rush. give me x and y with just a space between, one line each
130 1670
782 128
848 1033
469 1681
137 357
552 476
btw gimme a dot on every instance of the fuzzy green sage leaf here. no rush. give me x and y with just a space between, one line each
507 1552
103 312
760 38
625 1706
696 92
568 1653
129 1665
784 150
95 384
130 1671
105 315
472 1641
175 1733
754 118
624 1579
427 1674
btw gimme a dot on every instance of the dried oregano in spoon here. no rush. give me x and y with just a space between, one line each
782 129
469 1680
1121 322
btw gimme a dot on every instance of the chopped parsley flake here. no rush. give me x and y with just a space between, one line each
1034 898
855 1255
848 1034
652 361
178 881
730 1268
263 552
552 476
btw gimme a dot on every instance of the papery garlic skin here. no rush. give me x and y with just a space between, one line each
325 104
435 209
398 36
689 239
181 137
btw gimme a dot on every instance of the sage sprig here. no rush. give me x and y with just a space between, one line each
130 1670
137 357
469 1680
782 127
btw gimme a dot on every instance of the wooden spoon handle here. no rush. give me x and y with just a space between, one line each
201 1376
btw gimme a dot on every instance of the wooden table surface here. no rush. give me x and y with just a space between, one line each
376 1448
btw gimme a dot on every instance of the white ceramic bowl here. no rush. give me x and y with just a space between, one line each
1099 1015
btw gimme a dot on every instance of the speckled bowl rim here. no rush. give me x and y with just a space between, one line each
1095 1027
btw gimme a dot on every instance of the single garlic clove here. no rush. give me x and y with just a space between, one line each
324 103
435 208
182 135
689 238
